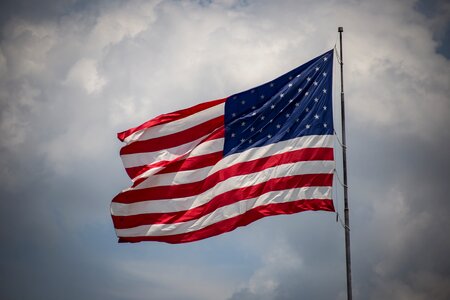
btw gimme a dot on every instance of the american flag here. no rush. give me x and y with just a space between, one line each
210 168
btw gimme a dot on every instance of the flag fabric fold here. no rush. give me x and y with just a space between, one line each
210 168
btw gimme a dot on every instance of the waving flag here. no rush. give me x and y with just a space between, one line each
210 168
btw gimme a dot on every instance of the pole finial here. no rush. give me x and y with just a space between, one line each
340 29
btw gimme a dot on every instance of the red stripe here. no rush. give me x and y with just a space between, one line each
193 163
248 167
170 117
190 163
174 139
230 197
136 171
238 221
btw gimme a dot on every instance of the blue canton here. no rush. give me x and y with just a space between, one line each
298 103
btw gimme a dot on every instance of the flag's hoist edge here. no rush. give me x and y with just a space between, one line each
207 169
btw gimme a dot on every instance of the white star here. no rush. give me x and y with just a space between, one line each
317 68
262 117
315 82
298 75
262 96
271 84
307 126
252 129
307 109
325 58
243 102
250 141
233 134
272 106
324 74
297 120
287 115
324 91
253 107
260 130
253 114
309 78
307 93
233 114
281 95
290 84
278 126
316 99
243 124
325 125
324 108
300 90
242 140
269 136
290 77
297 104
292 100
271 121
316 116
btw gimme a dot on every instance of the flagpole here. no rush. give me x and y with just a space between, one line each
344 158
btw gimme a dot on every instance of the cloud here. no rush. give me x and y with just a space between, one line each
157 280
74 73
278 261
84 74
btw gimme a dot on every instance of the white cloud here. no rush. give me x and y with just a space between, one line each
278 260
84 74
121 22
393 73
26 46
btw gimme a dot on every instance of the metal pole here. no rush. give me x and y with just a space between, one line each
344 158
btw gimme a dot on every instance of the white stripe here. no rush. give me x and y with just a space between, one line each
227 212
186 203
250 154
203 148
177 125
311 141
142 159
180 177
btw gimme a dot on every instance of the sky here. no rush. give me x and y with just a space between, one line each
74 73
